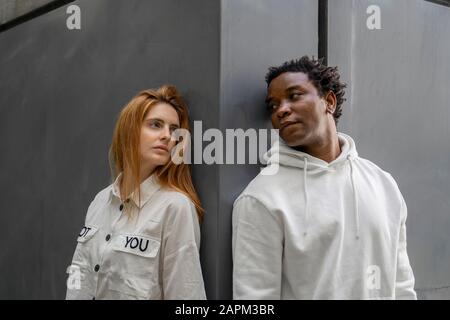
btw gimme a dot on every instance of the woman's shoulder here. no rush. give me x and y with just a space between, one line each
103 195
180 212
98 202
175 199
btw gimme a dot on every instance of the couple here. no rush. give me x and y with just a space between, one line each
328 225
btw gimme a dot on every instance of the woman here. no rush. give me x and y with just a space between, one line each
141 236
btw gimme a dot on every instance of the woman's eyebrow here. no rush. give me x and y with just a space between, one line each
161 120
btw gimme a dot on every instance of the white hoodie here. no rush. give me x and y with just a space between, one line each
318 230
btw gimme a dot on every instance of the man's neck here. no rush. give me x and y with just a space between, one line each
327 150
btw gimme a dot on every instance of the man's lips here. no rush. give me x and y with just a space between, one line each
287 123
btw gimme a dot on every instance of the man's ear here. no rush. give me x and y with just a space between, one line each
330 99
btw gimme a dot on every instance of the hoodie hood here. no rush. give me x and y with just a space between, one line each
282 154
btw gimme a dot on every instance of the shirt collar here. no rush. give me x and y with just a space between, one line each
148 187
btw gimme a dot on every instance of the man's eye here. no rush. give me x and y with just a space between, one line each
295 95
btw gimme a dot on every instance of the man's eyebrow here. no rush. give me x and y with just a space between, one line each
267 99
291 88
296 87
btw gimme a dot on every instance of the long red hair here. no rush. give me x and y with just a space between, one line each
124 153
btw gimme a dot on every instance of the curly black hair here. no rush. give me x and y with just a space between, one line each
323 77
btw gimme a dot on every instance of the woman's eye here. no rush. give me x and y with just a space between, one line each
155 125
295 95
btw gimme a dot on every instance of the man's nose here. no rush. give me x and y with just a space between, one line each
283 110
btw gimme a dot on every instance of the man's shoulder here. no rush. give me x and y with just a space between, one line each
373 167
262 187
376 171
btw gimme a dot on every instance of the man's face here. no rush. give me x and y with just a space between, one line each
296 109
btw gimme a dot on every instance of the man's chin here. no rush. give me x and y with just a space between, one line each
293 141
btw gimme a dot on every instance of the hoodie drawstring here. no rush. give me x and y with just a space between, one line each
305 188
355 198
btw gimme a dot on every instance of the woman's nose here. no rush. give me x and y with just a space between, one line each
165 133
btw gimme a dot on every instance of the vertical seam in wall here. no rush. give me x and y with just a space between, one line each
322 46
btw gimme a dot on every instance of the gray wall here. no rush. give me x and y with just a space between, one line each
61 90
60 93
399 115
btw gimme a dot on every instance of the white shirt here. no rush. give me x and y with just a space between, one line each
153 255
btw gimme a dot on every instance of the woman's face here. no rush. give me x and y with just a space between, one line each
156 134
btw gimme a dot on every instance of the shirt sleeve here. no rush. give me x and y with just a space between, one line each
182 275
75 288
257 251
404 285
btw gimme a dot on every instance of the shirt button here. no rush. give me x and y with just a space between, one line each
121 207
96 268
108 237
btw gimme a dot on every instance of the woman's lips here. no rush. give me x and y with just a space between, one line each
161 149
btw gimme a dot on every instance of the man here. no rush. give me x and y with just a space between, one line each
329 224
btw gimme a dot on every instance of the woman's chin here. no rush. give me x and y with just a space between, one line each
158 160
